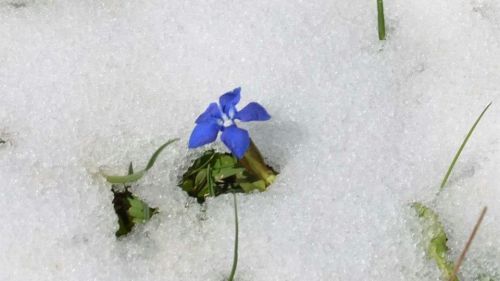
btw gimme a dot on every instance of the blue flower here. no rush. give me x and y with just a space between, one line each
220 117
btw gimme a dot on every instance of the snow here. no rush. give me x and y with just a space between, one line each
360 129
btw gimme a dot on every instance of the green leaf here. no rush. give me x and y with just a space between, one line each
133 177
260 185
215 173
435 239
187 185
203 192
201 179
125 179
247 187
225 161
207 175
139 211
251 186
130 211
457 155
226 172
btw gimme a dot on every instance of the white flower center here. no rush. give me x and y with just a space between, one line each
231 113
225 121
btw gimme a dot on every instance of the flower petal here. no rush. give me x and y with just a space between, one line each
229 100
212 112
203 133
253 112
236 139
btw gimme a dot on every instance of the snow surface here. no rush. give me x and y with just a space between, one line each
360 129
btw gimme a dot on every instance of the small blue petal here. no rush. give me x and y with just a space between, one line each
253 112
229 100
212 112
236 139
203 133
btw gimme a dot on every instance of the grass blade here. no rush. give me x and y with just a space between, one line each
130 168
461 258
133 177
235 256
125 179
381 20
457 155
155 155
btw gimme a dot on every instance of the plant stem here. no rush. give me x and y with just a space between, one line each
236 230
460 259
254 163
381 20
209 181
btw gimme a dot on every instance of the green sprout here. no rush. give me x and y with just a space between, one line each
129 208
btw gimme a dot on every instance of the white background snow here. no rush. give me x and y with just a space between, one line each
360 129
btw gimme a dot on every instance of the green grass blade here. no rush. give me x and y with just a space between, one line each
125 179
157 153
235 256
381 20
130 169
133 177
457 155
